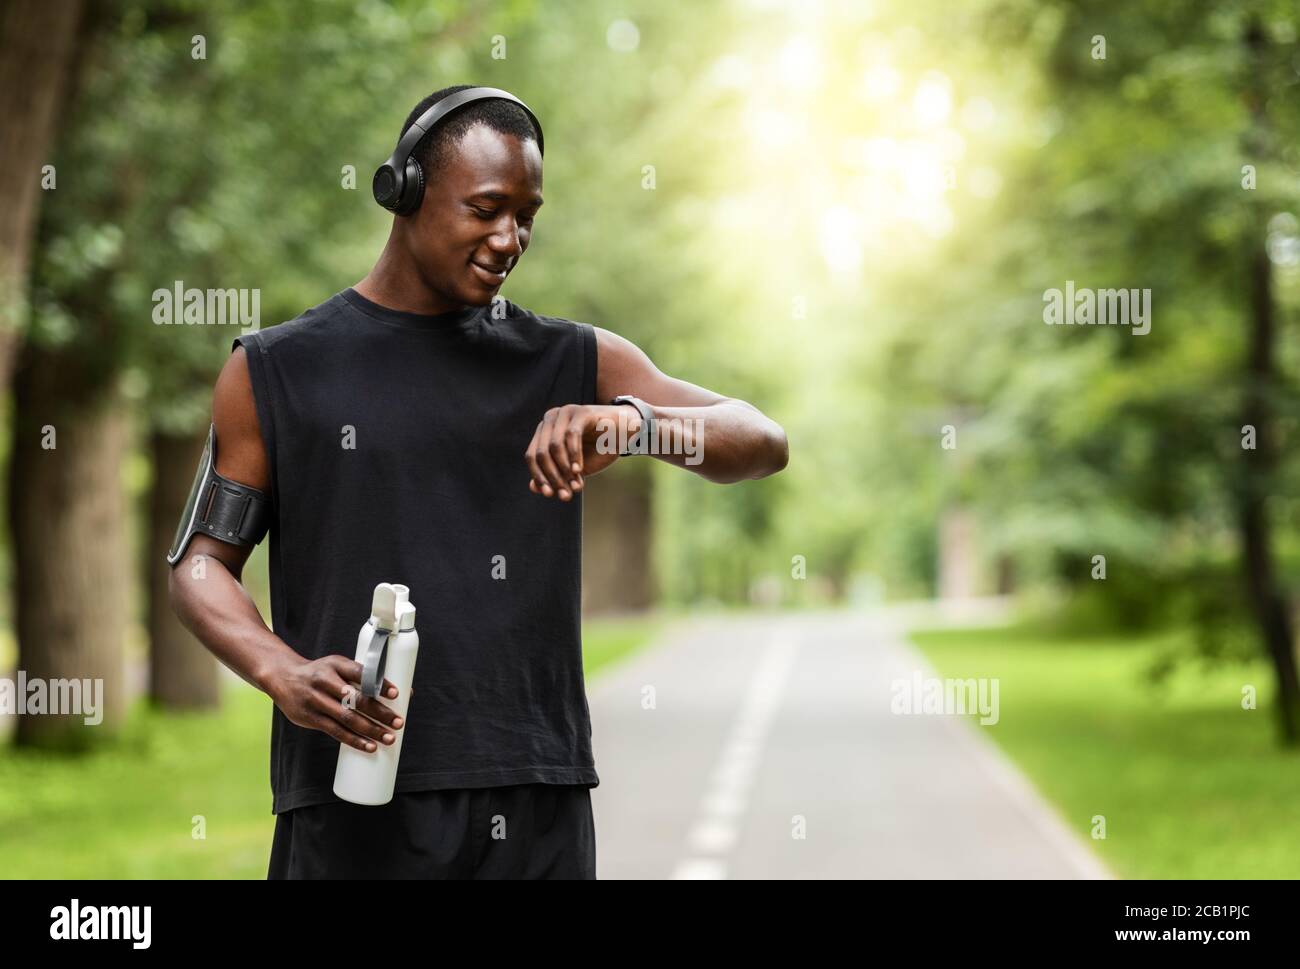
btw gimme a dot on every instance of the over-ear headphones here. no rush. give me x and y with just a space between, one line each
398 184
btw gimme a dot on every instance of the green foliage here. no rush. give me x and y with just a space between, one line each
221 171
1125 172
700 195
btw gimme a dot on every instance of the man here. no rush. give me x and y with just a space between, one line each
411 429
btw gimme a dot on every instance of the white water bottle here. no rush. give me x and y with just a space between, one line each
386 649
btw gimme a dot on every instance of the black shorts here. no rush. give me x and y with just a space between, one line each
519 831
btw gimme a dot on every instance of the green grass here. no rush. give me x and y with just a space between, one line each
126 810
607 641
1190 784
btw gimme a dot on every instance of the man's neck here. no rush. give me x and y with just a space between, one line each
394 282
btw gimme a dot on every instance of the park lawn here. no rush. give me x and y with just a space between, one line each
1190 784
129 809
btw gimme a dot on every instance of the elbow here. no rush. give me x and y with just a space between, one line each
778 454
781 448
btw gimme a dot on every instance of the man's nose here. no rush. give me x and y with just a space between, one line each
506 243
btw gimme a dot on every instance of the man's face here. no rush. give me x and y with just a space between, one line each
477 216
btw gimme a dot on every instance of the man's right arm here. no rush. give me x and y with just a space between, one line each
208 597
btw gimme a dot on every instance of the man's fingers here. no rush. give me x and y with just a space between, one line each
555 454
559 448
572 466
530 456
349 696
380 711
355 722
330 726
543 451
365 727
350 671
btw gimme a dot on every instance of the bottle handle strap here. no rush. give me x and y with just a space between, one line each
372 673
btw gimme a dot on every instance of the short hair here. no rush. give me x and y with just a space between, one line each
433 150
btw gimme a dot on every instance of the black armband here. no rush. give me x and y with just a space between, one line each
225 509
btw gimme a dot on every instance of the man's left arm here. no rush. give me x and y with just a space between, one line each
722 439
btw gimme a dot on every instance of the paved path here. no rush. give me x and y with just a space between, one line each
764 725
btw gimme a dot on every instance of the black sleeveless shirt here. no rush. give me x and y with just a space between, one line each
396 447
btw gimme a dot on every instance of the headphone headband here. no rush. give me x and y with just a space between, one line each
398 184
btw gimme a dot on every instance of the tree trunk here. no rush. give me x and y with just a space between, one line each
959 567
616 537
1265 595
36 43
182 673
1266 598
68 520
1006 575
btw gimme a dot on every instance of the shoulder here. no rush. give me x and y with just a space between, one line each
610 353
306 326
505 310
553 336
537 332
616 348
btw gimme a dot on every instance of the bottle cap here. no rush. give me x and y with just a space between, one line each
383 606
405 617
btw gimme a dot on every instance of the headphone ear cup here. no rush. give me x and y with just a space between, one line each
412 188
387 186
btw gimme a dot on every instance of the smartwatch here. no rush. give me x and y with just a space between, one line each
641 443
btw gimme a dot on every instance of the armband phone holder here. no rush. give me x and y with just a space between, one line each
227 510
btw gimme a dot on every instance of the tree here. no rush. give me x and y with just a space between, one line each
37 38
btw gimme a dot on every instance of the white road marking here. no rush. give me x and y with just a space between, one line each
717 824
701 869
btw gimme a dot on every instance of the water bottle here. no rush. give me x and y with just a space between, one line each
386 649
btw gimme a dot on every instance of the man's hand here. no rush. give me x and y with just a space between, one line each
325 694
563 450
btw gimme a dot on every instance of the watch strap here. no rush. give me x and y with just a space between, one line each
640 444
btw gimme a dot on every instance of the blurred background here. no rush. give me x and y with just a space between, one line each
847 213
